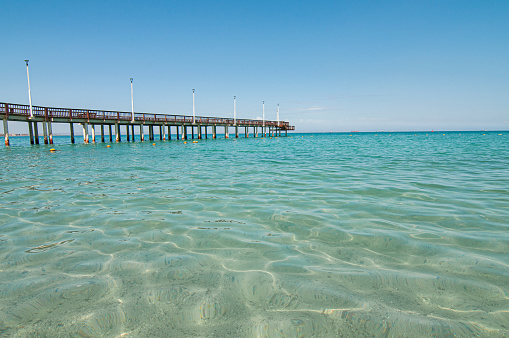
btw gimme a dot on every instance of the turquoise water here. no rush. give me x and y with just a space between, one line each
380 235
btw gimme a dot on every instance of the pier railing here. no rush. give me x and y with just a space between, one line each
70 114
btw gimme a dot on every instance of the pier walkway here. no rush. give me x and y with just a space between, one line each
125 120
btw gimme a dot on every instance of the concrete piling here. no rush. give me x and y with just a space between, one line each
117 133
50 132
6 132
85 132
31 132
45 132
36 133
71 130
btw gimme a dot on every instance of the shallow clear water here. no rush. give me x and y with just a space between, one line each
383 234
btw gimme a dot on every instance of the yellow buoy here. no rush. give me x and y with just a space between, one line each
52 149
500 134
185 142
153 144
195 141
108 146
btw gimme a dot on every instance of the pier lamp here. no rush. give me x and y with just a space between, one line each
235 110
263 116
29 93
132 102
194 118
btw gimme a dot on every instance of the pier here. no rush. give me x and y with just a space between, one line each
182 126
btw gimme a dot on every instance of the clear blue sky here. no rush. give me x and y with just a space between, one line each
332 65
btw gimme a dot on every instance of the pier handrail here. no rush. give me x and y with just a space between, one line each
106 115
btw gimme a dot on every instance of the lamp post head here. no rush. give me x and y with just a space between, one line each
26 62
131 80
193 90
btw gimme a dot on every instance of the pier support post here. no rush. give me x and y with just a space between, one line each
150 133
184 132
226 132
247 132
102 133
117 133
169 133
132 129
93 132
50 133
36 133
161 133
45 132
6 132
85 132
214 132
31 132
127 133
205 128
199 132
177 132
111 133
71 129
255 131
236 131
142 137
192 132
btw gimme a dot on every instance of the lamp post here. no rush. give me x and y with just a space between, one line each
194 117
278 114
29 93
235 110
263 119
263 116
132 102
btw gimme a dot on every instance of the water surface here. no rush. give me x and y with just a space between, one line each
398 234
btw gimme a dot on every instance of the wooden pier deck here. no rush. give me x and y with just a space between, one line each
87 117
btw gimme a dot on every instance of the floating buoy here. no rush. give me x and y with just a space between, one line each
185 142
153 144
108 146
499 134
443 134
195 141
52 149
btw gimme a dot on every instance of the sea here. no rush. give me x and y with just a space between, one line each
309 235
